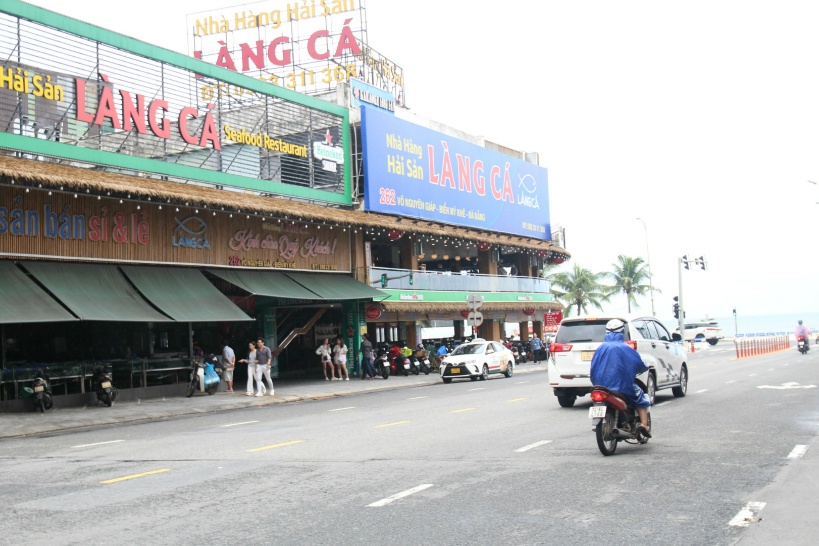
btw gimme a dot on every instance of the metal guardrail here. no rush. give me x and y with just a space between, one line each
448 281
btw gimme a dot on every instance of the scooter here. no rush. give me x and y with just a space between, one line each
381 364
613 420
524 353
423 360
415 364
204 377
802 345
401 364
42 392
102 385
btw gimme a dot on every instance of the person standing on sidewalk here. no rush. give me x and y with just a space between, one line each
366 353
340 353
228 365
325 351
251 368
263 356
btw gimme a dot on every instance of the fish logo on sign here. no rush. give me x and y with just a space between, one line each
190 233
528 191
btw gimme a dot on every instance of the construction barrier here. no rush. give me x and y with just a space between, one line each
750 347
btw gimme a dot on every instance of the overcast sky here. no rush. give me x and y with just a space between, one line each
701 117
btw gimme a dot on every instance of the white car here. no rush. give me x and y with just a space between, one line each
477 360
578 337
708 330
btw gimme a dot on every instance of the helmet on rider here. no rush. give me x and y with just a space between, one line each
800 322
615 325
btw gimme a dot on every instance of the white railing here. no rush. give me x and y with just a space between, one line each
404 279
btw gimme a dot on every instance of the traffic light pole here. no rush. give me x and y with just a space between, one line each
680 295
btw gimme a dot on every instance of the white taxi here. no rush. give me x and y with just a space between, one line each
477 360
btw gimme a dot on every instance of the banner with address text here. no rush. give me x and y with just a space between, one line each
413 171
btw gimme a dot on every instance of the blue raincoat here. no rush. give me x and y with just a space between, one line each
615 365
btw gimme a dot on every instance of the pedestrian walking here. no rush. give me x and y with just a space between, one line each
325 351
228 365
251 362
366 353
340 356
264 357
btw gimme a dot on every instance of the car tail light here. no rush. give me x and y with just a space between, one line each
632 343
599 396
561 348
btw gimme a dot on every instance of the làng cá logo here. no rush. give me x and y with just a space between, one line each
190 233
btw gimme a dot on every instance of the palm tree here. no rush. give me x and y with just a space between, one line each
629 276
580 287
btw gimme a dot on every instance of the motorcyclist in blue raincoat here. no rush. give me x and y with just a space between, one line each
615 366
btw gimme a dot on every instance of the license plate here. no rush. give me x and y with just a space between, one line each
426 361
106 385
39 388
586 355
406 366
454 370
596 412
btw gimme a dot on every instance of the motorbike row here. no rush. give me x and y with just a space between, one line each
393 362
101 383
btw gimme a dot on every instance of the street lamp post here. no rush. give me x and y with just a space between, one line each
648 263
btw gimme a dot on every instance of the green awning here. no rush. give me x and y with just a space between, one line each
336 287
22 300
94 292
265 283
183 294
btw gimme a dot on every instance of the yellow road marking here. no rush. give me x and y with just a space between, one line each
392 424
274 446
132 476
462 410
516 400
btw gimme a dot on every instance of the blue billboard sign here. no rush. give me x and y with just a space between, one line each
413 171
365 94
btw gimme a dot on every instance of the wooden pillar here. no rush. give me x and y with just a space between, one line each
412 338
524 330
485 264
406 248
359 263
490 330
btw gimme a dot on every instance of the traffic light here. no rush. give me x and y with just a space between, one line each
701 261
410 278
735 312
685 261
676 307
383 280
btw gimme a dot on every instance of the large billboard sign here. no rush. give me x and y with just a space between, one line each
100 98
308 47
413 171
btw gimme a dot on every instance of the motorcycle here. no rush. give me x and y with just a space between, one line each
204 377
613 420
515 353
381 364
524 353
401 364
42 392
423 360
102 385
802 345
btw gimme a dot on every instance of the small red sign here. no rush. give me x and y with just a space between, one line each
372 312
551 320
528 311
484 246
465 313
394 234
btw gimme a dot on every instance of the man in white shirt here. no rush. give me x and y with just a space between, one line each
228 364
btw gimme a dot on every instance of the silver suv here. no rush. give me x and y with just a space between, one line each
578 337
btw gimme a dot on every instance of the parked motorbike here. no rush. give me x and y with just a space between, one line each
103 386
802 345
381 364
523 351
423 360
42 392
401 364
613 420
204 377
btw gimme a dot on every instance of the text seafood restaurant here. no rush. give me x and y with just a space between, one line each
153 202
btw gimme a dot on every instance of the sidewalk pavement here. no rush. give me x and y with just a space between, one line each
287 390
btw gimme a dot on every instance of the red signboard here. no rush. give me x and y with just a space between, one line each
551 320
528 311
465 313
373 312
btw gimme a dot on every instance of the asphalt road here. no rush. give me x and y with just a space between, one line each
496 462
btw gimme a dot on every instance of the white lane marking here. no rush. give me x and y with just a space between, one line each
522 382
746 515
533 446
343 409
98 444
770 369
237 424
417 397
752 375
701 391
401 495
783 386
731 381
797 452
478 389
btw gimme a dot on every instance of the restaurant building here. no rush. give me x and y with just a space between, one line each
151 202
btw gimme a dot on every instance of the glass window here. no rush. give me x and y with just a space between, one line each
582 331
642 328
471 349
661 331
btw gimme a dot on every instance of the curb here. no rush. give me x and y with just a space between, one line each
108 420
